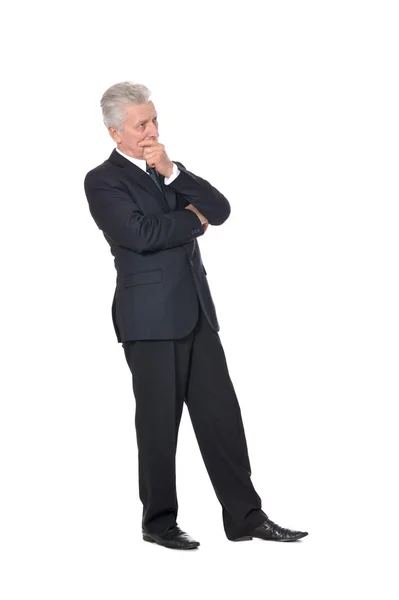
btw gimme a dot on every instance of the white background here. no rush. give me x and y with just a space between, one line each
290 109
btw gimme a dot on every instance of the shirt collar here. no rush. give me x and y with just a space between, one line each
139 162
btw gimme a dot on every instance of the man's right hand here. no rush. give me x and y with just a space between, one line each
204 220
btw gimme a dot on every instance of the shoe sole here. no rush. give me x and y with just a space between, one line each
248 537
148 538
298 537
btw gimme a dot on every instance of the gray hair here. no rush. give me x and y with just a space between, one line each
116 97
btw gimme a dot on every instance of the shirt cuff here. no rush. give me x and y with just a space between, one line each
173 176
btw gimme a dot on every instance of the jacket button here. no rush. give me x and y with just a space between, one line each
192 263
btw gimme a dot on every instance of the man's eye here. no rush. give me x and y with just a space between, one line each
154 119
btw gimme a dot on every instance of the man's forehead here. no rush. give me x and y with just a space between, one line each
140 111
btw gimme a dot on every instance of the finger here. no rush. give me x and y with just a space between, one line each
147 143
150 158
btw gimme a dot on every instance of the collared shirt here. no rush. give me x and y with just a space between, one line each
140 162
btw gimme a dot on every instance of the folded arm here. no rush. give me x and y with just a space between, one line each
118 216
199 192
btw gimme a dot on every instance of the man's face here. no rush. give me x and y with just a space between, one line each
141 123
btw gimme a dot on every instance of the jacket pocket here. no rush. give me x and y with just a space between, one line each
143 277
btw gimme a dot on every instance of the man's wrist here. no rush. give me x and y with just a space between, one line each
172 175
170 170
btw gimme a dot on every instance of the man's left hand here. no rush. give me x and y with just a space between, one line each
155 155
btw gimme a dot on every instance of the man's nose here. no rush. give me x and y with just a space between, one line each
153 132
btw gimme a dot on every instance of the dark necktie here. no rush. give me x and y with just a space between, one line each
153 173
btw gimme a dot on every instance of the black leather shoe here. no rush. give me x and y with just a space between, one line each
173 537
268 530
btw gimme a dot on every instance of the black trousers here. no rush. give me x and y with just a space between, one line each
193 369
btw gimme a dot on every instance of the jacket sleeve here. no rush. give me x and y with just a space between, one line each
118 216
199 192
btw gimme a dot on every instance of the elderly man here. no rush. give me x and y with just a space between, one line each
151 211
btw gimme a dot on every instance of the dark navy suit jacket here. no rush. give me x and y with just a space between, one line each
160 275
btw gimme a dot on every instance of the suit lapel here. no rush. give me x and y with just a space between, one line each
145 181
